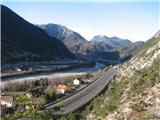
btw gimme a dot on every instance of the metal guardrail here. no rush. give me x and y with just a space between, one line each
98 90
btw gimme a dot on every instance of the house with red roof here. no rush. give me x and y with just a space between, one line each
7 101
61 88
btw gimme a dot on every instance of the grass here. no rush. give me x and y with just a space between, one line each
144 79
111 99
147 45
139 106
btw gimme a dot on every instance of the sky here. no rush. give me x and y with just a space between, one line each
136 20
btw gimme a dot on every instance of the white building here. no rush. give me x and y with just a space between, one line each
115 67
28 94
76 82
7 101
18 69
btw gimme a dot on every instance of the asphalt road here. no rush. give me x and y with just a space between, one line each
79 99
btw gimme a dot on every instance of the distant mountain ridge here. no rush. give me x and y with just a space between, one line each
60 32
22 41
111 41
100 47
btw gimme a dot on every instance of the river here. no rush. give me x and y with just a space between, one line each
73 72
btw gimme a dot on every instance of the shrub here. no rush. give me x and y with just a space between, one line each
50 96
139 106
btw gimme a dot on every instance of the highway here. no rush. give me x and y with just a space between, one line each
82 97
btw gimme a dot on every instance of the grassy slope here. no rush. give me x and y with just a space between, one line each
137 85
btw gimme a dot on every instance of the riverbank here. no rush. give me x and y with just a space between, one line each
73 72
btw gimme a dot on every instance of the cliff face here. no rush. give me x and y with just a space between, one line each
134 94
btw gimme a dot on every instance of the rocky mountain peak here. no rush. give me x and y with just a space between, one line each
111 41
61 32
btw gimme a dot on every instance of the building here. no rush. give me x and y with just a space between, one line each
115 67
18 69
61 88
28 94
7 101
76 82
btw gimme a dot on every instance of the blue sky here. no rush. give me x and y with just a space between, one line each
134 20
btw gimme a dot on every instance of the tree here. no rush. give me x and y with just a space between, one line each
36 83
50 96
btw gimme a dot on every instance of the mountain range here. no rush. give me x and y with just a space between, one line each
23 41
100 47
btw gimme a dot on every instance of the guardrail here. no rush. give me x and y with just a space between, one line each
87 99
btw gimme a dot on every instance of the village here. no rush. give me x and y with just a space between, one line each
30 95
39 91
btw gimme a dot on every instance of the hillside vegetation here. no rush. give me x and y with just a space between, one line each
135 93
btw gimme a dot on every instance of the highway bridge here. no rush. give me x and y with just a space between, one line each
82 97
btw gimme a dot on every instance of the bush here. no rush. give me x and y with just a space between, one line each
140 106
144 79
88 75
50 96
